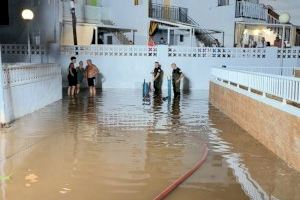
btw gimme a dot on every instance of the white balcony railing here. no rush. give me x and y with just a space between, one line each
287 88
251 10
24 73
86 13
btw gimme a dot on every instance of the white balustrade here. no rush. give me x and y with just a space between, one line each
282 71
19 53
110 50
215 52
251 10
287 88
24 73
22 49
287 53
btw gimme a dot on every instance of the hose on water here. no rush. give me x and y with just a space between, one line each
182 178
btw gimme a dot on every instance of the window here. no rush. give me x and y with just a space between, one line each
181 38
223 2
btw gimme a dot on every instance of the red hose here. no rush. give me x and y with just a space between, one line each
181 179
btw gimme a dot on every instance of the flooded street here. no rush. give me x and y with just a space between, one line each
116 147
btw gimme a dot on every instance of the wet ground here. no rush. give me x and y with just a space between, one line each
115 147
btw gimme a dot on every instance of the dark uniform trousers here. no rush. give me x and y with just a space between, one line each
158 82
176 86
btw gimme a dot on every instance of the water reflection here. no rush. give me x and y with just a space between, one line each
255 168
112 146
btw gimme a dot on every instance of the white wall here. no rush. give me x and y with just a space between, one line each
2 115
125 14
209 15
127 66
30 87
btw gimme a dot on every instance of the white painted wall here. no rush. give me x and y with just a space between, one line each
129 71
209 15
2 115
26 92
125 14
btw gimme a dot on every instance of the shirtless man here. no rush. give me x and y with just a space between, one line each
91 73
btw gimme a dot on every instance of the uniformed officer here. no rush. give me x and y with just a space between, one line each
157 78
177 75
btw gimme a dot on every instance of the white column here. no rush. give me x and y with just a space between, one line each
96 35
2 110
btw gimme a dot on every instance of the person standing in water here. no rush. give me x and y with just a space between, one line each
157 78
91 73
72 77
80 75
177 75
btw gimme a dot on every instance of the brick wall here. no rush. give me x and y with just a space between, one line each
279 131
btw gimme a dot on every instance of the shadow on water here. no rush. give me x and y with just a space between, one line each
186 85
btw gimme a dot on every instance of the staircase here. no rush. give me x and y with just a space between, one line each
180 15
201 34
123 39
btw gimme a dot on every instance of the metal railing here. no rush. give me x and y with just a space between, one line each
287 88
180 14
251 10
168 13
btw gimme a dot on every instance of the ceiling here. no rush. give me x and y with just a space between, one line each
290 6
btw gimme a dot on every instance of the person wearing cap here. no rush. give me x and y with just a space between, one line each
91 72
177 75
157 78
72 77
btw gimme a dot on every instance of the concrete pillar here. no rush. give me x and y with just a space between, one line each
96 35
2 110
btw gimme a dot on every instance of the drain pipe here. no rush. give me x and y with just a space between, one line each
182 178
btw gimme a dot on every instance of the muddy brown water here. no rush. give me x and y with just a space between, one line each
114 147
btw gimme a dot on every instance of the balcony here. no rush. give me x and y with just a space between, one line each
168 13
251 10
87 13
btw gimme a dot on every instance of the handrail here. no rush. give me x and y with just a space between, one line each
287 88
177 14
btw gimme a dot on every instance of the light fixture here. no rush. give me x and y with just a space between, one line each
27 14
284 18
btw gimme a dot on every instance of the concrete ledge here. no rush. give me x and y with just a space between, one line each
275 127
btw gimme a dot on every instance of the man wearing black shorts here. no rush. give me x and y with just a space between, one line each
72 77
91 73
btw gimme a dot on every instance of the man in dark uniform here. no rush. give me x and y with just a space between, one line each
177 75
157 78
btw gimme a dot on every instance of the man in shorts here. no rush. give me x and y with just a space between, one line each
91 73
